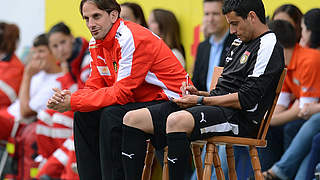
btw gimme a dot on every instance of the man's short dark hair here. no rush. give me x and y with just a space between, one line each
243 7
105 5
284 31
41 40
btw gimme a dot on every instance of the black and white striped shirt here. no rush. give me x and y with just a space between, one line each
252 69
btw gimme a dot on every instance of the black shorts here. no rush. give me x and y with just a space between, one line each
209 121
159 114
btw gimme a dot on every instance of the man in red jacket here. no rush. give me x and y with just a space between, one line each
131 68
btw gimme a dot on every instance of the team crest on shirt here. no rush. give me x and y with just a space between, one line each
244 57
104 70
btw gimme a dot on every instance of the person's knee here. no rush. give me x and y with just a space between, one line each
180 122
131 119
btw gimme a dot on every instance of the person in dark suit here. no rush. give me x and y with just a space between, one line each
213 50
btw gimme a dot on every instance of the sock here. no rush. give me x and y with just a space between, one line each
178 154
133 152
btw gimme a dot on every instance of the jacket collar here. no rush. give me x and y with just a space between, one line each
109 39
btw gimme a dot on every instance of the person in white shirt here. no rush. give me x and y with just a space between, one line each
39 78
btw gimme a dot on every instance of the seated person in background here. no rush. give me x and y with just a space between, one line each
243 94
300 159
40 75
292 14
72 54
278 141
53 128
303 67
11 68
165 24
310 30
212 51
301 82
133 12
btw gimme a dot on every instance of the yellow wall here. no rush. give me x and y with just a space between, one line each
188 12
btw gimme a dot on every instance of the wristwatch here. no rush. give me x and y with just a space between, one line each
200 100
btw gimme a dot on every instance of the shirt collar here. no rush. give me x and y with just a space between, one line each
212 42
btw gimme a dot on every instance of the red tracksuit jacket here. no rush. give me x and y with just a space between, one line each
130 65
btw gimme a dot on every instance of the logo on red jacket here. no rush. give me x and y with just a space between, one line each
104 70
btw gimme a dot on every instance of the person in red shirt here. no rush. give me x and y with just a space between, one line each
131 68
11 68
54 128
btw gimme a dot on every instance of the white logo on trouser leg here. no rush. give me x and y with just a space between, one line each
202 118
128 155
172 160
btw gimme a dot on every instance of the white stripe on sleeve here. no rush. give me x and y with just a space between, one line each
284 99
125 39
268 42
8 90
304 100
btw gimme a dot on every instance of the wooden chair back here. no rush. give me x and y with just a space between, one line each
267 118
215 76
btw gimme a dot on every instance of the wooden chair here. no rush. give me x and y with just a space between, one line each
212 153
212 156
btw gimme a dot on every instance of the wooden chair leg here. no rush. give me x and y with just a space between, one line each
148 161
212 157
197 160
231 162
165 170
208 161
217 164
255 163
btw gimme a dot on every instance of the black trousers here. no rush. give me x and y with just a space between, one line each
97 136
